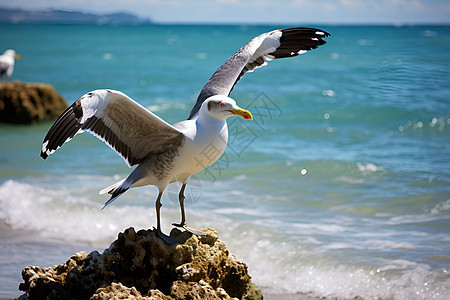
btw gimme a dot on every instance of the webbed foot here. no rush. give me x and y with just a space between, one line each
191 230
169 240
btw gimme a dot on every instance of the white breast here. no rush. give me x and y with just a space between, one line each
203 147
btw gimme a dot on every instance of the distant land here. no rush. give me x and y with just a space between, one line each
20 16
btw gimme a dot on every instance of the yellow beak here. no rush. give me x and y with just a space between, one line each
17 56
242 113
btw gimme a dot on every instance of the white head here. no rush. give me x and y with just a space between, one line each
221 107
11 53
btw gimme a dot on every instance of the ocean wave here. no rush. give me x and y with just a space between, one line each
299 260
441 208
301 270
64 214
368 167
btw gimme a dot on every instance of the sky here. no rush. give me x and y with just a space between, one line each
260 11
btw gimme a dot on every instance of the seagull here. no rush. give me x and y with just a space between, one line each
7 60
166 153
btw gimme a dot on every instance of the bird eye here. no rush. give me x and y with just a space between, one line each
220 104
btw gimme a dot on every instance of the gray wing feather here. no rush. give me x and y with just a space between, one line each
256 53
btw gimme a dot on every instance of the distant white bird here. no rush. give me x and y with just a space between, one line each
167 153
7 60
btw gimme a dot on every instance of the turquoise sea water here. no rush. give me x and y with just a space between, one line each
340 187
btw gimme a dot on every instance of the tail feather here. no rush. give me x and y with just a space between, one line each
110 189
124 185
116 194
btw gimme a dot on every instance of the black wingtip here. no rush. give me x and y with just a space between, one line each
295 41
306 29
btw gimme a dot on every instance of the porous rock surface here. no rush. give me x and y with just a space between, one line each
26 103
139 265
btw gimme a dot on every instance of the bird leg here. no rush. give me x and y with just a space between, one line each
169 240
183 215
181 200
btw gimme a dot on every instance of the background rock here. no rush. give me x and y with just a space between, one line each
26 103
139 265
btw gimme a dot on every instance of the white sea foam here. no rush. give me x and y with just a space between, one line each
333 228
386 245
418 218
300 270
65 215
441 207
368 167
351 180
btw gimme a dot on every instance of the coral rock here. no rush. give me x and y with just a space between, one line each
140 265
26 103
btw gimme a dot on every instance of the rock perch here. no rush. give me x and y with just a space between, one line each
140 265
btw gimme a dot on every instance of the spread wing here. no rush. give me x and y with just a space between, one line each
255 54
127 127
